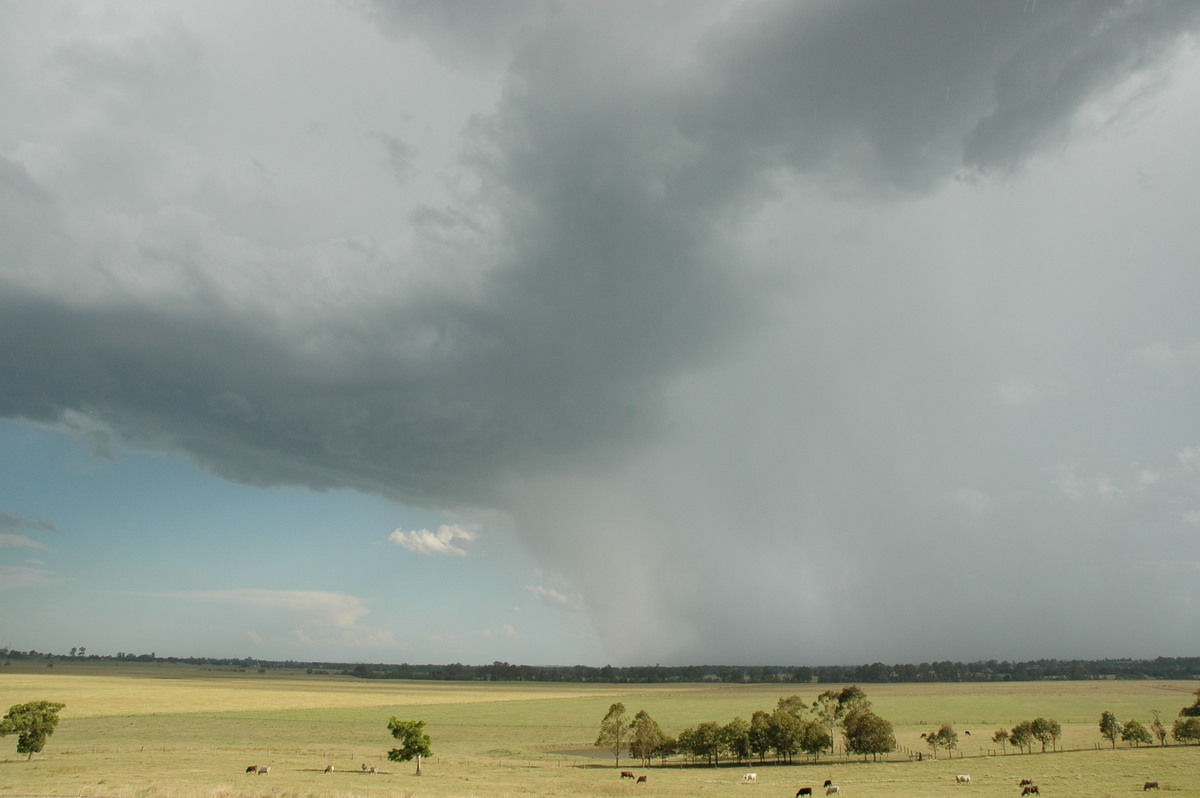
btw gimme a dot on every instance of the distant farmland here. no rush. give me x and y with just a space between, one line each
142 729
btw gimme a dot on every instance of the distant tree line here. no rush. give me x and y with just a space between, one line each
875 673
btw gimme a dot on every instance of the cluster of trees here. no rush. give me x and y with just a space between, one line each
1046 731
792 728
1185 729
877 672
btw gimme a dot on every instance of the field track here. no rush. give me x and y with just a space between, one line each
139 729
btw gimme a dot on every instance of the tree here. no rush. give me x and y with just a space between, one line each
1022 735
826 710
1000 736
708 742
1045 731
414 741
1157 727
833 706
785 731
612 731
1135 734
793 704
667 746
760 733
813 738
1192 711
1110 727
645 736
735 737
1186 730
33 723
945 737
867 733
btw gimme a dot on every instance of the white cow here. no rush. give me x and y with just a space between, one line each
750 777
833 789
963 778
264 770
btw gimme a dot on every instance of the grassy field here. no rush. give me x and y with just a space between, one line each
138 729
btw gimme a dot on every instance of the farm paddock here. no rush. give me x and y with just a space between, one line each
182 732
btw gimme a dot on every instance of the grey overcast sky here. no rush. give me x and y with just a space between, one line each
668 331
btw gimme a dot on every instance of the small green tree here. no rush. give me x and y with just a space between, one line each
1158 728
1000 736
1046 731
1192 711
709 742
736 738
1136 734
868 734
1186 730
785 730
814 739
1022 736
945 737
645 736
612 731
760 734
1110 727
793 704
415 743
33 723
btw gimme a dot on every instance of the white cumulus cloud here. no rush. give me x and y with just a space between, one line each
422 541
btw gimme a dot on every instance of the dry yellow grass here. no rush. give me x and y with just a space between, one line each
158 730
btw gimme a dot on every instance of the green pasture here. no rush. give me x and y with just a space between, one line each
142 729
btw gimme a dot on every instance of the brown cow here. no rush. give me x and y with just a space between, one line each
627 774
1030 790
641 780
1150 785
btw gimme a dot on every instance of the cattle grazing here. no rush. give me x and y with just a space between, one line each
1150 785
252 769
364 766
1030 790
264 770
1025 782
967 732
329 768
803 791
641 780
627 774
833 789
827 783
962 778
371 769
749 777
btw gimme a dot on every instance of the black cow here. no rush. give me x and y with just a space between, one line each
803 791
827 782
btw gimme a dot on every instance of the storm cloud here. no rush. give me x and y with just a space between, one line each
789 331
